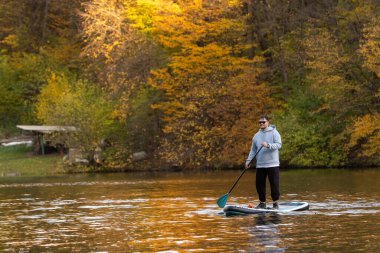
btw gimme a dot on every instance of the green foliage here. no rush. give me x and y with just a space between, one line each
66 102
10 98
307 141
143 124
21 78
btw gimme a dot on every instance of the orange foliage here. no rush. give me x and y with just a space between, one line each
212 96
370 46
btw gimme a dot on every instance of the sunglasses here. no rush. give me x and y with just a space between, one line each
262 122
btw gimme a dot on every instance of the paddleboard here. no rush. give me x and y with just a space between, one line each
283 207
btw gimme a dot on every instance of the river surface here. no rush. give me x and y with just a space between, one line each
177 212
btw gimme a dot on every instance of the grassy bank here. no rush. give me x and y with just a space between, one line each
19 160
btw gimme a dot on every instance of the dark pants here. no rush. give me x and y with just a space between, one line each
273 174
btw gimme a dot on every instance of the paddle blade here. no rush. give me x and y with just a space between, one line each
222 200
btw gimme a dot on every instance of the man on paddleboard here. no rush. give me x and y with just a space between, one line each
267 161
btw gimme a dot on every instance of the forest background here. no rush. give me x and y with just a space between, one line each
186 80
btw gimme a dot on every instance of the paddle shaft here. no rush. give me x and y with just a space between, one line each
249 165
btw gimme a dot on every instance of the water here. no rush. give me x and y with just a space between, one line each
176 212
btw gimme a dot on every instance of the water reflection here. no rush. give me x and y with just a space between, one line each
177 212
264 233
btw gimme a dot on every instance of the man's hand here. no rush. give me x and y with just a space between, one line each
265 144
247 164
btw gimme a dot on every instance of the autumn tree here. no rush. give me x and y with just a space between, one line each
211 89
342 89
119 57
365 132
37 37
185 80
69 102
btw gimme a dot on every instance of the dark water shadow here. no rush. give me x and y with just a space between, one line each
264 235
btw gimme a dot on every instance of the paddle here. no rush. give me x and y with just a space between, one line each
223 199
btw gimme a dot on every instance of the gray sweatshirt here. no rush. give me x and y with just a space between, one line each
267 157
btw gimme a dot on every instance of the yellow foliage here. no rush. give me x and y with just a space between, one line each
327 62
79 104
104 28
51 95
366 134
11 40
370 46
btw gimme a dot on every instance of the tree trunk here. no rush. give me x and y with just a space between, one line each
44 21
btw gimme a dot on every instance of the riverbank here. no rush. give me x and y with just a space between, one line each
19 160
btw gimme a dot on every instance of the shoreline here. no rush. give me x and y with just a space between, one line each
17 161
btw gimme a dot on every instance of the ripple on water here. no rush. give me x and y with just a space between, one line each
31 217
335 207
209 212
91 217
54 221
106 206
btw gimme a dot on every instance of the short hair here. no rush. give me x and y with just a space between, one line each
266 117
